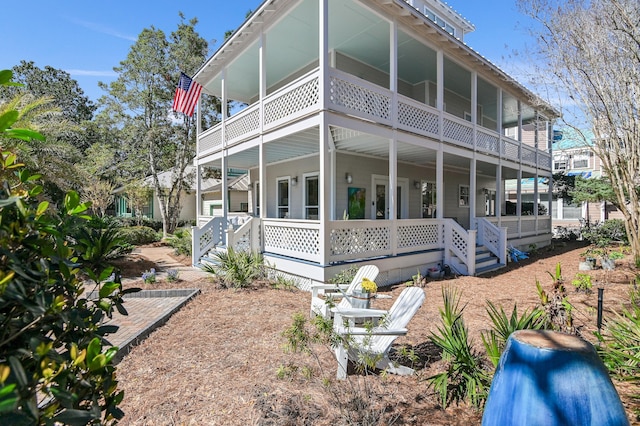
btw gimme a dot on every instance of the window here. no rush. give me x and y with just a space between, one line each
463 195
311 197
439 21
559 165
581 161
283 197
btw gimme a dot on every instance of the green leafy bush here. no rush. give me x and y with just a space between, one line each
181 242
100 241
605 233
138 235
53 367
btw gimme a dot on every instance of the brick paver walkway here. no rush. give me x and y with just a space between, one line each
149 309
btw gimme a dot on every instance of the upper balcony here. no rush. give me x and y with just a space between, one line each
356 97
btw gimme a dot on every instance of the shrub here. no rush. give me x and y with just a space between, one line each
620 343
138 235
606 233
582 282
100 241
465 377
502 326
237 269
53 368
345 276
181 242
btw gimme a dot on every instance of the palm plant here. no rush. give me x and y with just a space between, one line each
502 326
465 377
237 269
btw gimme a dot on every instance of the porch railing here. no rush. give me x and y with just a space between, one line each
459 247
360 98
493 238
205 238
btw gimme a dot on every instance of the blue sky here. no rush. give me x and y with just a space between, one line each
88 38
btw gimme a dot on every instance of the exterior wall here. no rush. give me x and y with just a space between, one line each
187 203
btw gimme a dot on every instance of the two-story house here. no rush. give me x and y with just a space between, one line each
371 133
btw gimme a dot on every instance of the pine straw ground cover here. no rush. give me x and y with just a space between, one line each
220 359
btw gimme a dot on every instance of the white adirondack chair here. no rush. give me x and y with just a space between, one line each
320 293
377 341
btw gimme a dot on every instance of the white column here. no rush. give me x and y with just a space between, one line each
440 183
440 91
474 107
519 200
262 167
499 193
393 191
198 193
472 192
393 71
225 165
325 160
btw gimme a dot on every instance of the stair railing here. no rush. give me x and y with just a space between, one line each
493 238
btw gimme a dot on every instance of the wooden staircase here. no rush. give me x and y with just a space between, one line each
486 261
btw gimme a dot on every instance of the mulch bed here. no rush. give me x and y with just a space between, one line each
218 360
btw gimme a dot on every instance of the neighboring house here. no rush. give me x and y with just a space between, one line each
371 133
210 193
573 157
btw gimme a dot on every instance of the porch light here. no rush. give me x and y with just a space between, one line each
294 180
348 178
417 184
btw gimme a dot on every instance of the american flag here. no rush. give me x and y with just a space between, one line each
187 95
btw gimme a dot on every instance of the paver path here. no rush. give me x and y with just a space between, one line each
149 309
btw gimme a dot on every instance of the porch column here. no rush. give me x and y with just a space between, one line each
440 183
393 191
326 193
393 70
198 193
472 192
262 164
474 108
535 201
519 201
223 114
499 194
440 92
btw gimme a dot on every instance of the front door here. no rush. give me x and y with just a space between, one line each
380 205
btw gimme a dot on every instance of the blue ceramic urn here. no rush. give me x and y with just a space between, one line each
550 378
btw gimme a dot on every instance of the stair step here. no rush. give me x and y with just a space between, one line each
486 262
489 268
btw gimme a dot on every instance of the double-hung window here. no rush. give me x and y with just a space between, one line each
283 185
311 197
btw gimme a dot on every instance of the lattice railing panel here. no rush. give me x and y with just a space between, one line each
510 150
488 142
360 240
544 160
248 123
457 132
417 118
459 241
528 155
298 99
211 140
544 224
243 242
292 239
512 227
359 99
418 235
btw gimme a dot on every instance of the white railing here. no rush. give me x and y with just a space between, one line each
205 238
294 238
355 239
461 243
493 238
360 98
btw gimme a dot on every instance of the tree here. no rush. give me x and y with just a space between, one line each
592 50
100 194
53 368
142 96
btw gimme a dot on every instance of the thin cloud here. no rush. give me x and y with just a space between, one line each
97 27
93 73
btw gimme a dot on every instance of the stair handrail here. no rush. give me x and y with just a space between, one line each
493 238
205 238
245 234
460 242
